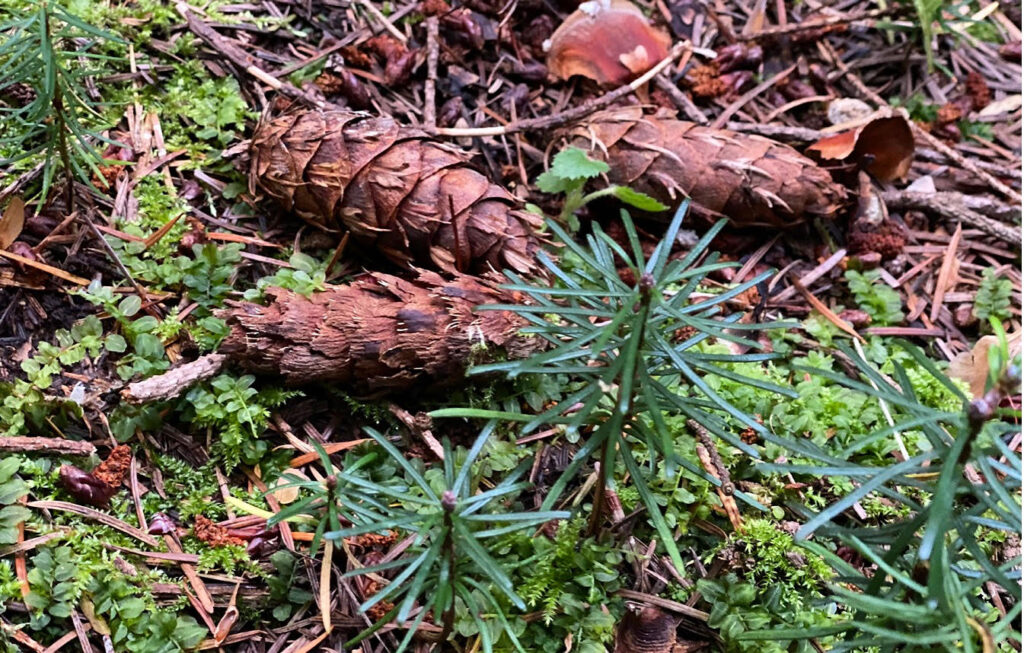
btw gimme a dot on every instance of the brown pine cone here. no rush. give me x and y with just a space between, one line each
394 189
751 180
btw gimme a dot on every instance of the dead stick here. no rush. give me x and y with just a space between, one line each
240 58
844 19
720 121
952 207
172 383
430 85
571 115
59 446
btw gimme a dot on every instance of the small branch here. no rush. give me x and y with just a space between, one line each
681 99
383 20
172 383
240 58
830 21
958 207
430 85
57 446
571 115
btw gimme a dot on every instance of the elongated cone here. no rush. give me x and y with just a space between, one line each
393 188
378 335
751 180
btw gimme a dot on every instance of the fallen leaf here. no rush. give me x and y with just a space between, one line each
85 487
884 146
12 222
609 41
847 109
286 495
1008 104
972 367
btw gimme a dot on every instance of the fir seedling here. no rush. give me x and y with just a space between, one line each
43 96
450 557
926 574
632 348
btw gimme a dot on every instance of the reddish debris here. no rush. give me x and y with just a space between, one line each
977 90
210 533
857 318
887 238
114 469
1010 51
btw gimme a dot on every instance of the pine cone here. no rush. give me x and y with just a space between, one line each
393 189
751 180
378 335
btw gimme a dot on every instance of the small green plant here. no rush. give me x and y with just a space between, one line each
306 276
26 402
54 585
632 354
237 411
46 56
12 488
133 622
570 170
876 299
994 297
284 595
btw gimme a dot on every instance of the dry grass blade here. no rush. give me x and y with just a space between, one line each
96 515
820 306
947 273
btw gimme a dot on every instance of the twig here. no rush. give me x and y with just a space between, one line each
172 383
668 604
240 58
682 100
830 21
958 207
819 271
430 85
58 446
720 121
570 115
383 20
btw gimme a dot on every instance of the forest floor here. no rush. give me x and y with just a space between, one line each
815 447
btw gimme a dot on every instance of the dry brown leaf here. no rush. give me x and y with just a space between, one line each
971 367
884 146
12 222
609 41
286 495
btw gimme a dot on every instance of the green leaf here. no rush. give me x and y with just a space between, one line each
572 163
637 200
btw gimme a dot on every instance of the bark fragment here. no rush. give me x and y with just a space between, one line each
393 188
378 335
751 180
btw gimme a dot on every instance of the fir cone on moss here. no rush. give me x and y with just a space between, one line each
378 335
416 200
751 180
